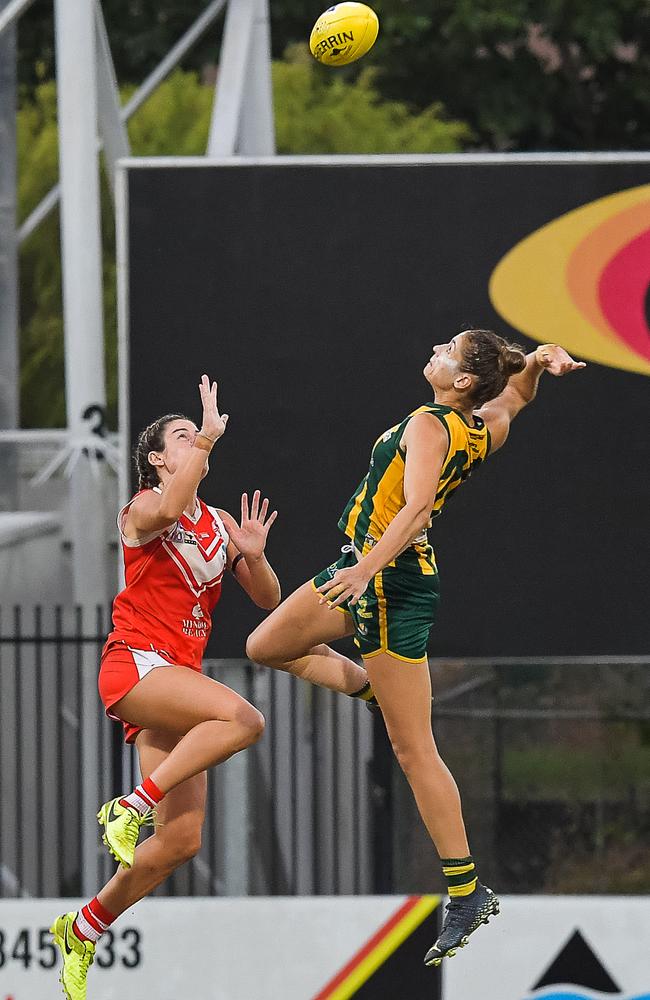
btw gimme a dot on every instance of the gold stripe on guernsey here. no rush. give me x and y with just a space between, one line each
381 601
425 566
392 478
458 870
356 511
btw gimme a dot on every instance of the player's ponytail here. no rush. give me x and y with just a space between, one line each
152 438
513 360
492 360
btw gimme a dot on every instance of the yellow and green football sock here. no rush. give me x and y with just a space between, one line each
461 876
365 694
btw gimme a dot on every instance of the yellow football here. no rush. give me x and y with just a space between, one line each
344 33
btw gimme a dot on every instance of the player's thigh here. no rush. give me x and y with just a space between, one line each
296 625
176 699
181 813
403 691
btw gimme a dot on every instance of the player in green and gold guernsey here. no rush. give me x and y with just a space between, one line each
380 496
385 584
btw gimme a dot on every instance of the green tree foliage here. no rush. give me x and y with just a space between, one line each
317 112
525 74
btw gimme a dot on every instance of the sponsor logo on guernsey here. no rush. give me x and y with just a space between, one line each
183 537
197 626
362 609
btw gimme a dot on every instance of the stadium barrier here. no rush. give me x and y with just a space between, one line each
552 758
371 948
291 816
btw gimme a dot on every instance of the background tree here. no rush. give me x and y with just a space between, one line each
524 74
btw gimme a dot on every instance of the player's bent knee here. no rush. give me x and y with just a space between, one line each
412 757
251 721
255 726
257 647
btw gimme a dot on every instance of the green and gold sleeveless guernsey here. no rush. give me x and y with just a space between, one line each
380 495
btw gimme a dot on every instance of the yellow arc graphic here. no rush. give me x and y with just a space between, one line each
547 285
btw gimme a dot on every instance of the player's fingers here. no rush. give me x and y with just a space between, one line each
271 520
244 507
264 509
324 587
342 597
255 506
331 593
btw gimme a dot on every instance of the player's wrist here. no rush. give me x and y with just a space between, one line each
542 356
204 441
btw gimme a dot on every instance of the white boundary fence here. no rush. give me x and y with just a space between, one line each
539 948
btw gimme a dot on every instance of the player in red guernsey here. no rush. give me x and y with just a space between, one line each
176 550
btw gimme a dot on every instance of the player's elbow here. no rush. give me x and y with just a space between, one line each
269 602
168 513
420 513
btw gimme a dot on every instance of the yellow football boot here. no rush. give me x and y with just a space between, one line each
78 956
122 825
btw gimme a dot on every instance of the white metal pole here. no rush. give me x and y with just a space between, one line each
113 130
144 91
11 11
234 65
257 128
84 358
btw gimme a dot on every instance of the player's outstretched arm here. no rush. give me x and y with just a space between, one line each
153 511
246 549
521 389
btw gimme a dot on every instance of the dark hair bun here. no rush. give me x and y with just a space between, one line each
512 361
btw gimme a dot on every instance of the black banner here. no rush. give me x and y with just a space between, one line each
314 294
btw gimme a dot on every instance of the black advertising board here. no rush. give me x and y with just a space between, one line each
314 293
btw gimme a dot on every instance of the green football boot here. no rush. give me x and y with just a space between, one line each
122 825
78 956
465 914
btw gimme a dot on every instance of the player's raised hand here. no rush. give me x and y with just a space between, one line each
251 534
213 424
556 360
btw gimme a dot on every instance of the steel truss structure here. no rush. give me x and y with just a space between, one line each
92 119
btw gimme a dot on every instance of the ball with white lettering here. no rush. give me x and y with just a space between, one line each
344 33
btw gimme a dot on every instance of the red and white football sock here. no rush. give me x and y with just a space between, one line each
92 920
144 797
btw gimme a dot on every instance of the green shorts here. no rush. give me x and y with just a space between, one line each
395 614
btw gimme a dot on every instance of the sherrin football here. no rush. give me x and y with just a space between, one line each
344 33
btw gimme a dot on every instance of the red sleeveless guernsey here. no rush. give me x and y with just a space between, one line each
173 583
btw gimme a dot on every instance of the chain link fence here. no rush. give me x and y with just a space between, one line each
289 816
553 762
552 759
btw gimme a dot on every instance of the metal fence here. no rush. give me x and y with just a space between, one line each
289 816
552 759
